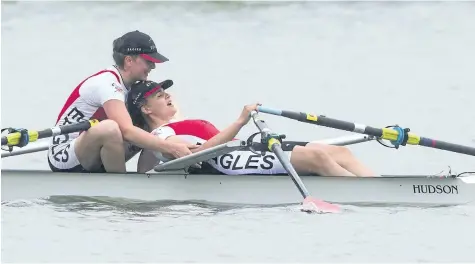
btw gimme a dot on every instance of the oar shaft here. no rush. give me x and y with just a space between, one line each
275 146
325 121
30 148
284 160
383 133
290 145
14 138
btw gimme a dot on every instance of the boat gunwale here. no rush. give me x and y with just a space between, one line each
197 175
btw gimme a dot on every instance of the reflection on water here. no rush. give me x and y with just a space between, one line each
135 208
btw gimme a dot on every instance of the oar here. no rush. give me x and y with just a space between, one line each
290 145
13 139
274 144
30 148
396 135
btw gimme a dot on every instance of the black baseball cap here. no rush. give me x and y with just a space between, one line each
140 90
138 43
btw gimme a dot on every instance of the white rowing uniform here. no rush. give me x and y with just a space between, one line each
85 103
234 163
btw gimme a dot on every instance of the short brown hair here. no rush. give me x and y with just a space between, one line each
118 56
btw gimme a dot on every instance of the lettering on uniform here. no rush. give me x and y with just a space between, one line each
252 158
118 88
437 189
62 155
57 141
157 132
239 162
74 115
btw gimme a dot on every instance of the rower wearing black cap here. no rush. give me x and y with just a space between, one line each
108 145
152 106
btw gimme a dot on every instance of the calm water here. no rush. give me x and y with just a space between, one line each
374 63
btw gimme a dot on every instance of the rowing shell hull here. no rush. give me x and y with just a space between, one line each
249 189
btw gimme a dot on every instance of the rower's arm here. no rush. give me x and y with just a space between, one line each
224 136
106 91
116 110
231 131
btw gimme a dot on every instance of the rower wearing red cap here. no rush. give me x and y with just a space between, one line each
108 145
152 108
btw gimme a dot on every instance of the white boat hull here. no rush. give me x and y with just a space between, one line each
249 189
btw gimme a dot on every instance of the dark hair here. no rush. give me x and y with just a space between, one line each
118 56
137 118
118 59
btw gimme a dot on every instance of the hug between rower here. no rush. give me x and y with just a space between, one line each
152 109
107 146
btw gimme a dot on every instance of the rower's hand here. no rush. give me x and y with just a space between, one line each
246 113
178 150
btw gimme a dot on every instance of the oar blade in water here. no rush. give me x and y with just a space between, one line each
311 204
